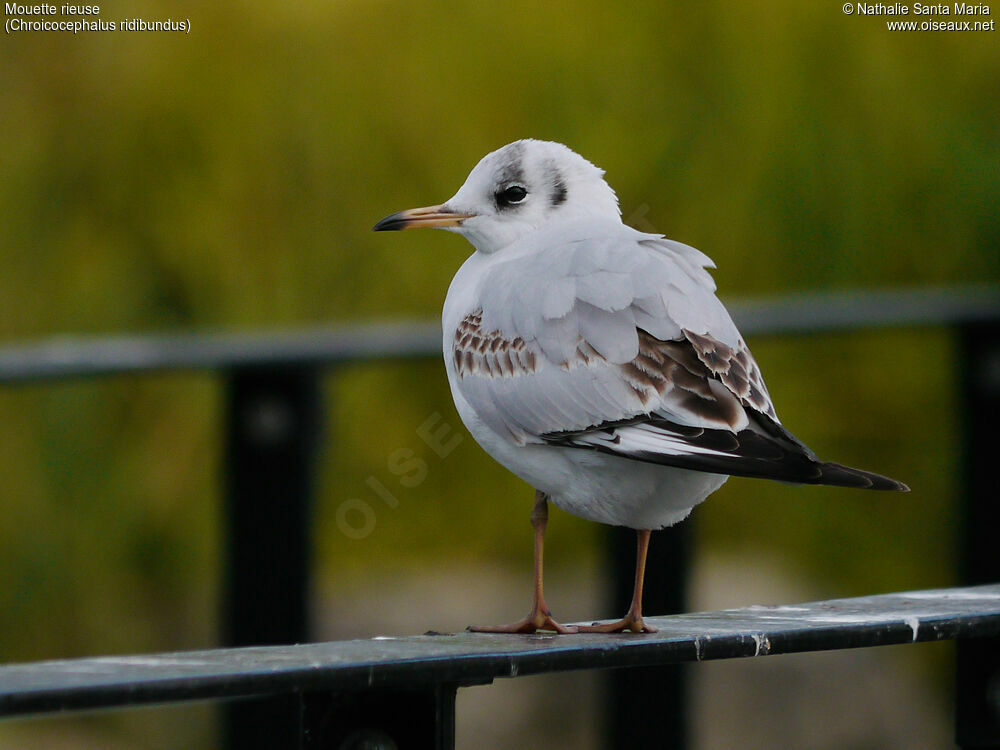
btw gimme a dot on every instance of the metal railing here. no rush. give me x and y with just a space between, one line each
269 467
404 688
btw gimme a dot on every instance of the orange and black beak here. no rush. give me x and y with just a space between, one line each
414 218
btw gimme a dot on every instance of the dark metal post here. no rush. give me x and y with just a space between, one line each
647 706
417 719
977 711
273 421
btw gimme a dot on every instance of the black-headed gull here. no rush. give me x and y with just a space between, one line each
595 361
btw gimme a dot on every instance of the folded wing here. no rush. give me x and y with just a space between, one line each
625 349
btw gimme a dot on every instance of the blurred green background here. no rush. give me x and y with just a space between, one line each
228 180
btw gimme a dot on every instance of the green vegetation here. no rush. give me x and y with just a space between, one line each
228 179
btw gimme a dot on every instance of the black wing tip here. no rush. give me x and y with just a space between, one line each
781 457
847 476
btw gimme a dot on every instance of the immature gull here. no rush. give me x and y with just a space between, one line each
595 361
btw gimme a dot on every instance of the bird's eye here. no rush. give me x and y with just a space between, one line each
511 195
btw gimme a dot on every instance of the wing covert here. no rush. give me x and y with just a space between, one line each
625 324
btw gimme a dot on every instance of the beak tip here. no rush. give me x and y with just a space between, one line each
390 223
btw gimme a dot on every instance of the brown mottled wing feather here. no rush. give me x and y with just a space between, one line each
488 353
669 376
735 368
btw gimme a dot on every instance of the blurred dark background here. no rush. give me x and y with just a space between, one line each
228 179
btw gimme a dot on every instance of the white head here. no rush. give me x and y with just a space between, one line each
513 191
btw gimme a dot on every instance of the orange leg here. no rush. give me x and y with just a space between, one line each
539 618
633 618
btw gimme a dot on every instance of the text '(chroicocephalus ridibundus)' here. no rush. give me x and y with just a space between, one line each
595 361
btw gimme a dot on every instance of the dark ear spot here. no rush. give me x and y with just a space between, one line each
558 191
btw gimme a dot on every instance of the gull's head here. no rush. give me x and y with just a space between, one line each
516 190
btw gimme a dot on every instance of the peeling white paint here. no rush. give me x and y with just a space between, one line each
762 644
914 623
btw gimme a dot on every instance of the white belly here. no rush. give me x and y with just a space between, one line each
598 486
